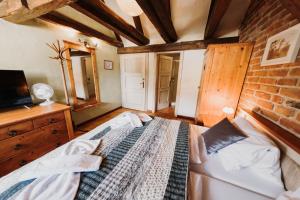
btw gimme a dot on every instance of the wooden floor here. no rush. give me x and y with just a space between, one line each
86 127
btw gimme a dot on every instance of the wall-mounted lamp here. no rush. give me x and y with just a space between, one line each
87 43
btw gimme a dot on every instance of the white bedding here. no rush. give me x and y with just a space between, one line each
213 167
207 188
245 178
18 175
210 168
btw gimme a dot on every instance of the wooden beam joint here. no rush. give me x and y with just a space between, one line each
60 19
197 44
98 11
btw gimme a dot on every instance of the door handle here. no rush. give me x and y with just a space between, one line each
143 83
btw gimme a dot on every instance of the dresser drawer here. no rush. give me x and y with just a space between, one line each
33 140
49 119
26 157
15 129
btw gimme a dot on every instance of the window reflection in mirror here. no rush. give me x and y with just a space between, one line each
83 78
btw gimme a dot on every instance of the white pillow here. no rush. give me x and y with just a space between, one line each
125 118
144 117
257 152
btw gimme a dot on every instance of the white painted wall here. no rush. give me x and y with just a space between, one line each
24 47
189 80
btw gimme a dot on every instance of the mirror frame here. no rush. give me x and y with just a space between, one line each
71 45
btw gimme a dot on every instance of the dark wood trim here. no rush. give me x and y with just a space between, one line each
185 117
167 6
293 6
118 37
275 130
79 53
160 18
217 10
60 19
101 13
116 34
138 24
197 44
102 115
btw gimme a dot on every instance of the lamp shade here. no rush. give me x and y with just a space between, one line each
130 7
228 110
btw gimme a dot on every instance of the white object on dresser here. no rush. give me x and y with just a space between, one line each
44 92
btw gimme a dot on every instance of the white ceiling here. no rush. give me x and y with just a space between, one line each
189 19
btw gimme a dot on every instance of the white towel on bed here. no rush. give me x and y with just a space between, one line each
57 177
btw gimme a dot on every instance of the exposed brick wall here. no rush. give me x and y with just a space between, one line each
273 90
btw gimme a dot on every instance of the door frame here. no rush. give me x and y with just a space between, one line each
145 77
156 56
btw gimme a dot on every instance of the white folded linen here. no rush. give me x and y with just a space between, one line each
62 165
125 118
57 175
256 152
144 117
290 195
51 188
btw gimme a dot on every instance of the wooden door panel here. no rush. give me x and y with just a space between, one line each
164 78
225 70
133 81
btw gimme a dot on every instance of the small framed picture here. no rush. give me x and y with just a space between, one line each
282 47
108 65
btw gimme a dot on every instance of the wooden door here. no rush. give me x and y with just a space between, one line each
165 64
133 69
225 69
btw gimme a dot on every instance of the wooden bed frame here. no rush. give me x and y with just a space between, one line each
288 143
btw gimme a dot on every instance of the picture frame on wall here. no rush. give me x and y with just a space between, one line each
108 64
283 47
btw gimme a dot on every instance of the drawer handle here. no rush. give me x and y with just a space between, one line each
18 146
54 132
51 121
22 163
12 133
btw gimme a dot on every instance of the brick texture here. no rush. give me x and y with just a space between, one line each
274 90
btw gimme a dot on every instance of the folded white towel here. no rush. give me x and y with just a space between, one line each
290 195
56 176
51 188
62 165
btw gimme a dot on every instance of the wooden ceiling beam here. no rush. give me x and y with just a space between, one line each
18 11
180 46
293 6
116 34
138 24
217 10
60 19
158 14
101 13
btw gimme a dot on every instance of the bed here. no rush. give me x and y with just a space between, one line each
159 159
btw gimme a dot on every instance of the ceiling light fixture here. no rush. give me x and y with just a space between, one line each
130 7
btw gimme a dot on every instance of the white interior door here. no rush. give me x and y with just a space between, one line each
164 78
133 69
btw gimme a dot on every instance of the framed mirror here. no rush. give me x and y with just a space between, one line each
83 75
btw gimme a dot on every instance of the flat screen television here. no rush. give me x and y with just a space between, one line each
14 90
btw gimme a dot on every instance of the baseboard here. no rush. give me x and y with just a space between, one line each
102 115
185 117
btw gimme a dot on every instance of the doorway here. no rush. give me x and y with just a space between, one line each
166 82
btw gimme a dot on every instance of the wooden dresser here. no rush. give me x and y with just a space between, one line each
26 134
